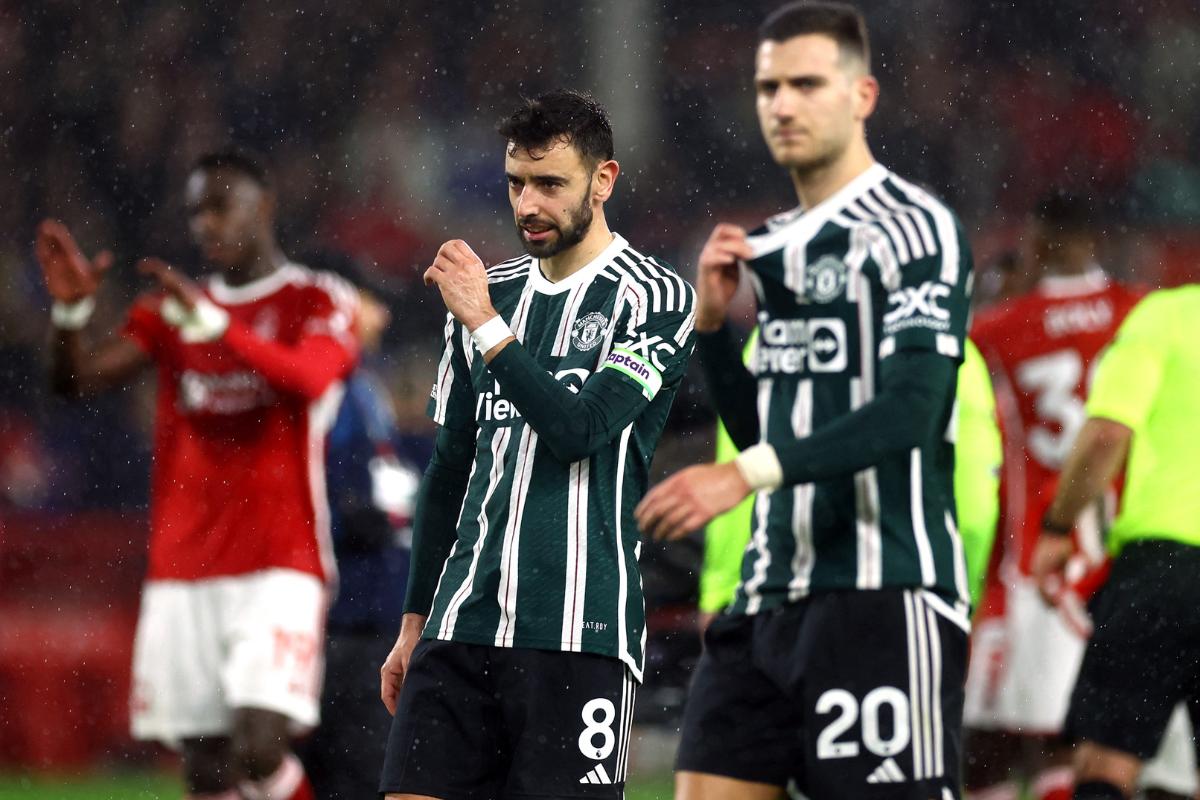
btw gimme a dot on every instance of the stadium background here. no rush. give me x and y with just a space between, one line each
377 120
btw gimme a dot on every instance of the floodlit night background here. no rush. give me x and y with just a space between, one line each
377 122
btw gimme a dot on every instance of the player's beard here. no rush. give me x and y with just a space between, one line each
828 153
578 223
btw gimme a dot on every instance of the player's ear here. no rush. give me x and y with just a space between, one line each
866 96
266 207
604 178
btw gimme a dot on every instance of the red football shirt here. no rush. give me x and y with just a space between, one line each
1041 348
239 446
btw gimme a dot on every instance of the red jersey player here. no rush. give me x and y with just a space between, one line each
1041 348
227 656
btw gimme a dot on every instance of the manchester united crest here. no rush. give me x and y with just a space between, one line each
589 330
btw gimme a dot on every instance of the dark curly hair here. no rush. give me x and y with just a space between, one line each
562 115
238 159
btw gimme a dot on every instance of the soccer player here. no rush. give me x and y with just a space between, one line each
227 657
977 463
1041 346
1141 659
559 369
840 663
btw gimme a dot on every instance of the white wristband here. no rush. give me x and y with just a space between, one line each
760 467
203 322
490 334
72 316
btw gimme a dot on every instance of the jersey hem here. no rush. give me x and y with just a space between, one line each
554 646
154 577
769 602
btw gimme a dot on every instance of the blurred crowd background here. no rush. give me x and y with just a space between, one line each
377 120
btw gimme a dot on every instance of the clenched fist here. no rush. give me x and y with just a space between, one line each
461 278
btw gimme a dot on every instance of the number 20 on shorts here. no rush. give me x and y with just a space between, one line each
832 741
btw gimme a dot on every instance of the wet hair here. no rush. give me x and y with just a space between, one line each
562 115
839 21
1066 212
237 159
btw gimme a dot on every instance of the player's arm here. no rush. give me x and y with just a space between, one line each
978 454
439 503
325 352
78 367
573 425
914 389
1122 396
731 386
435 520
922 344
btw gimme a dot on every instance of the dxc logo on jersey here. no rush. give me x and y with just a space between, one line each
651 348
917 307
792 346
493 407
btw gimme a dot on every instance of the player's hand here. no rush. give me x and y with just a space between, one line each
70 276
1050 557
174 283
717 274
391 674
460 276
185 307
690 498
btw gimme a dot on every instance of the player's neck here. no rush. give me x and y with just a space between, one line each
1071 270
568 262
817 185
258 266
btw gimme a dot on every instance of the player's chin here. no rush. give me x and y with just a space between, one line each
542 248
792 155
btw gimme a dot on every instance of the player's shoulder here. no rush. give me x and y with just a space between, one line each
1164 306
652 275
316 286
1129 294
909 220
511 269
995 326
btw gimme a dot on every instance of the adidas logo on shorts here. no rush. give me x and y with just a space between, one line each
887 772
596 775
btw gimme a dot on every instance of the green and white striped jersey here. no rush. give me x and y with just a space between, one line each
547 551
879 267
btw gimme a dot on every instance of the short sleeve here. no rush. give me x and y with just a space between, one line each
1131 370
927 297
452 400
655 337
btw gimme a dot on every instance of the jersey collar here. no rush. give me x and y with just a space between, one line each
265 286
579 276
1092 280
804 223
